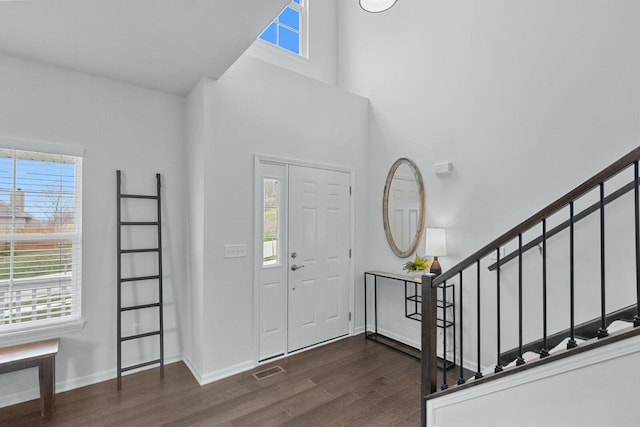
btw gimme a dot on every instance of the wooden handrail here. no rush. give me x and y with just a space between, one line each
429 342
555 230
582 189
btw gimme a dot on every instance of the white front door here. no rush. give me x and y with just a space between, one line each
318 256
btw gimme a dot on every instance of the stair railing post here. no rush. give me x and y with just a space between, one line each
602 332
429 341
444 385
636 192
544 352
479 371
461 379
572 340
520 360
498 364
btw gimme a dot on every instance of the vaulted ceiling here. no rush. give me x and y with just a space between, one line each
166 45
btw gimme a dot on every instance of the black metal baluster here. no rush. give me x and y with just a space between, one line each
544 352
602 332
366 323
415 293
406 295
461 378
572 341
636 319
520 359
444 337
478 372
498 365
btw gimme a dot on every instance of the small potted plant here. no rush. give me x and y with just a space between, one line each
418 266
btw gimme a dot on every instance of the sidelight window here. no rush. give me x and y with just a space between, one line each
271 222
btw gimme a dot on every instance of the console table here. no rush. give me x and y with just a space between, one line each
41 355
412 310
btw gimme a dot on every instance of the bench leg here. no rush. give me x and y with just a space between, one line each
46 374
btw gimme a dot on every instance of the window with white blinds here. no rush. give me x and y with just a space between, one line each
40 238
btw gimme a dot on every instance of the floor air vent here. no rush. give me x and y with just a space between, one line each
268 372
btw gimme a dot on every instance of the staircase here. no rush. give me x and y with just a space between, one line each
536 302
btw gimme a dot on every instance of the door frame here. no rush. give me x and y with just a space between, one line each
257 242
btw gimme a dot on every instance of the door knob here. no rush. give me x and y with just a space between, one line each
296 267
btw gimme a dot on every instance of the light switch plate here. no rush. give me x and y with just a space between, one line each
235 251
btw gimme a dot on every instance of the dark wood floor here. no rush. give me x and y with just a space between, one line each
352 382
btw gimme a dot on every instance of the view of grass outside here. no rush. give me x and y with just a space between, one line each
38 234
34 263
270 221
35 260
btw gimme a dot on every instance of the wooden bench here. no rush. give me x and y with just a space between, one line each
41 355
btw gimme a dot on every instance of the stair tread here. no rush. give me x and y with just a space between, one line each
615 326
618 325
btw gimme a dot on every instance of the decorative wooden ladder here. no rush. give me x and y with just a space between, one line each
131 281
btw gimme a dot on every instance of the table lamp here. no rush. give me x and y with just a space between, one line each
436 245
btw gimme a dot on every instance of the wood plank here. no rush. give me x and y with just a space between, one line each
349 382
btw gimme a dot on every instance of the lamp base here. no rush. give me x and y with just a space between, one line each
435 267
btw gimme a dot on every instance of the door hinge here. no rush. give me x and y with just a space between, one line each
349 316
349 253
350 190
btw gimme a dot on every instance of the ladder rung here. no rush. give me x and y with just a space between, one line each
135 251
139 223
135 337
135 279
140 365
140 307
137 196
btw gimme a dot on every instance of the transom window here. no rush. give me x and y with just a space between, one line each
40 238
289 30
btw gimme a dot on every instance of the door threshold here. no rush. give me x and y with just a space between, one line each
303 349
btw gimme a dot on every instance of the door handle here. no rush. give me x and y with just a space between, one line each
296 267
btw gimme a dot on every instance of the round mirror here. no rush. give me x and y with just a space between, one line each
404 208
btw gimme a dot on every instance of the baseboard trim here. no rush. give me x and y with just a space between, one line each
224 373
74 383
400 338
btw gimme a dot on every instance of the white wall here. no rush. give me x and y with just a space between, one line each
119 127
321 63
527 99
254 108
195 147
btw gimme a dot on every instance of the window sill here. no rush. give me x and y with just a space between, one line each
40 333
267 52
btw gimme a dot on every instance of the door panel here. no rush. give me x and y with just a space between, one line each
333 297
319 217
272 290
271 298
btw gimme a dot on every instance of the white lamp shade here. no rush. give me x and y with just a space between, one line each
436 242
376 5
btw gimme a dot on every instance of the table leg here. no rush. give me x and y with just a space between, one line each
46 374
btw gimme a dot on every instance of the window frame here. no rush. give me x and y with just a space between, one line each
279 221
303 33
51 325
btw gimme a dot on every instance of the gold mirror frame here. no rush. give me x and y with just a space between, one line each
385 208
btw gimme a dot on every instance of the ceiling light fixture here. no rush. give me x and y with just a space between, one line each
375 6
